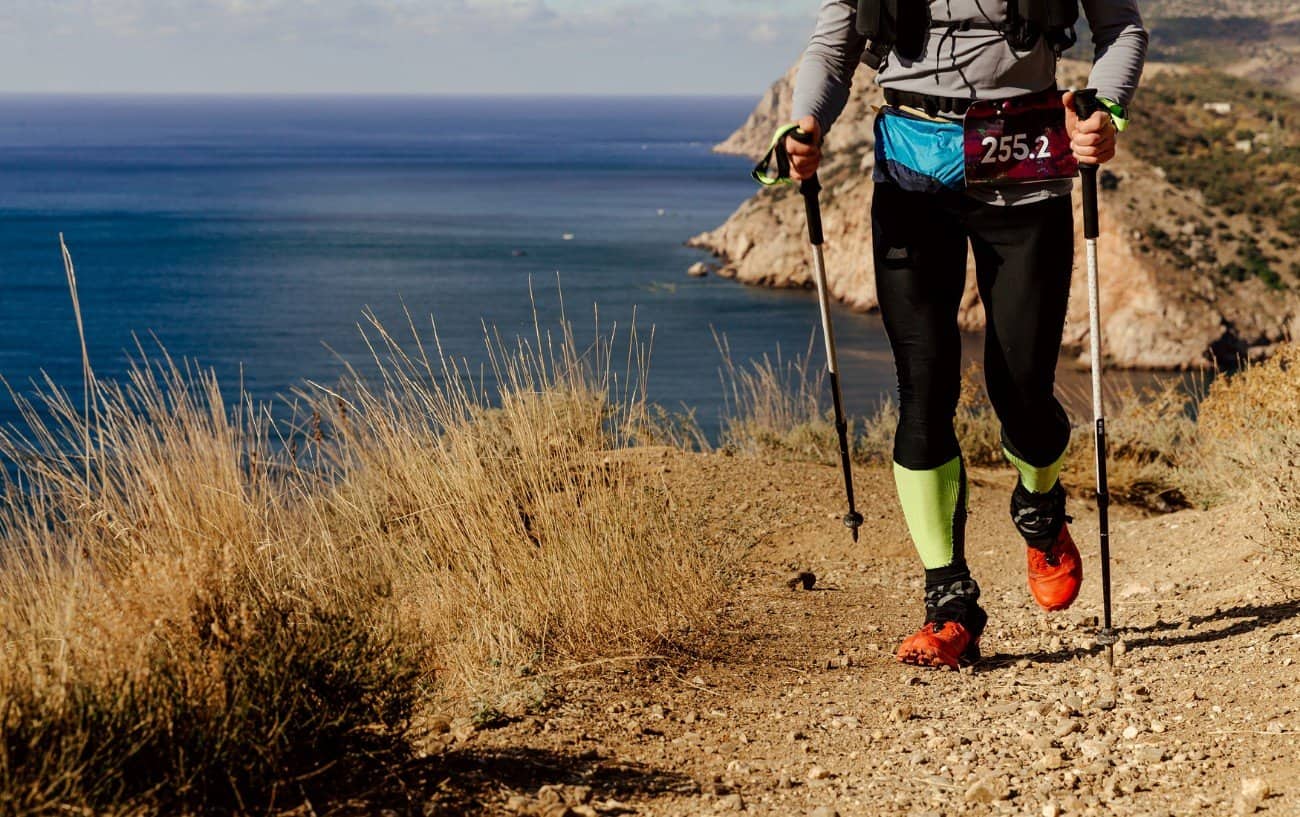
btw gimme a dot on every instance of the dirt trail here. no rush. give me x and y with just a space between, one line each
797 707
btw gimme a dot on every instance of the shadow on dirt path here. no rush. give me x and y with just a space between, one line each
472 782
1252 618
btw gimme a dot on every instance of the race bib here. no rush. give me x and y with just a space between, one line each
1017 140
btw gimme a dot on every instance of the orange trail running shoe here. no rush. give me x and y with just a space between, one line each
1055 572
945 644
1055 569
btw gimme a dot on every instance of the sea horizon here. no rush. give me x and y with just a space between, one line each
453 95
251 236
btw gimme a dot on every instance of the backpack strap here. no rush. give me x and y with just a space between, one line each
899 25
876 20
1028 20
904 25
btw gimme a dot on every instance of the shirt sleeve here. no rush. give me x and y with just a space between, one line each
829 62
1120 41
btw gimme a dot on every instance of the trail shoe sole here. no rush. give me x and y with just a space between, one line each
1055 572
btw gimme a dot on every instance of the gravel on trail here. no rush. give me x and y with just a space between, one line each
795 705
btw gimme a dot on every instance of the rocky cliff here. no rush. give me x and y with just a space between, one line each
1166 300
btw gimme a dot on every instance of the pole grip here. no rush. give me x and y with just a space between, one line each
1091 222
1086 105
810 189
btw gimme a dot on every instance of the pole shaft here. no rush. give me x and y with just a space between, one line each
833 369
824 304
842 430
1103 521
1094 330
810 189
1091 232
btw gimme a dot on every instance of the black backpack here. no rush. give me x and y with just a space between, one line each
904 26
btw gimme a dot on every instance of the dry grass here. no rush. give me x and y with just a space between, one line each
781 408
1281 506
775 406
519 536
1250 427
1152 460
976 424
176 633
1248 417
204 608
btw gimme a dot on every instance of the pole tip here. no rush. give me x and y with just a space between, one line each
853 520
1108 638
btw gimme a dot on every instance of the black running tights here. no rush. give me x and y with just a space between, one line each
1024 256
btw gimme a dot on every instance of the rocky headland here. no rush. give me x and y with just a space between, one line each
1185 283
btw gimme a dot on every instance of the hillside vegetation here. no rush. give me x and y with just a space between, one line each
205 609
1259 39
1200 259
1238 144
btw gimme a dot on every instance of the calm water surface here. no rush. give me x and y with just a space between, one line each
251 234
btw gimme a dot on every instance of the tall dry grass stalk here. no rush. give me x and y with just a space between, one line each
87 373
226 605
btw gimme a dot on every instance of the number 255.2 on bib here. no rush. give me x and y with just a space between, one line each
1017 140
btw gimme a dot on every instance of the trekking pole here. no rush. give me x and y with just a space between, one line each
810 189
1086 104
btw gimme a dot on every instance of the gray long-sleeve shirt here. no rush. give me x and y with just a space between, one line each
975 63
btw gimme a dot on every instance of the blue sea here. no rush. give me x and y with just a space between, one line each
251 234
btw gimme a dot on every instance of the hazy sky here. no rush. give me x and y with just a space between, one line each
438 46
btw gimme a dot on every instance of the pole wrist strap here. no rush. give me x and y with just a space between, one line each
776 153
1118 113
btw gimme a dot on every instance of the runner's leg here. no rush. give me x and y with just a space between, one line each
1024 256
919 248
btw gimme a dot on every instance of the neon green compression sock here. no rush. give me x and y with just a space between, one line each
1036 480
934 504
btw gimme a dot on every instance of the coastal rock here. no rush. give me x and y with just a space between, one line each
1157 311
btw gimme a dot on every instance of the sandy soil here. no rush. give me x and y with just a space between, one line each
796 706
